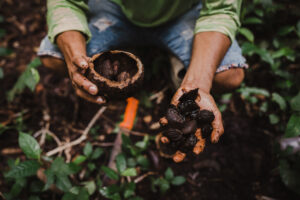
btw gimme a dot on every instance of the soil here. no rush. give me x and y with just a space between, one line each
241 166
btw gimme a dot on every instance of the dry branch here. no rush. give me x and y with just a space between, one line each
81 138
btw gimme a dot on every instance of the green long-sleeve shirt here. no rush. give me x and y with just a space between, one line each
216 15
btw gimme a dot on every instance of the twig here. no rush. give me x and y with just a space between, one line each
82 137
10 151
134 132
104 144
142 177
115 151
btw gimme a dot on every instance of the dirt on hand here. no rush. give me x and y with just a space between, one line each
186 126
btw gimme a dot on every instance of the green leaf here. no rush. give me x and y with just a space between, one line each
293 126
274 119
290 177
164 185
129 190
60 168
90 186
34 198
111 192
285 30
79 159
97 153
279 100
169 174
129 172
252 20
50 179
247 34
144 100
5 51
29 78
81 194
285 52
63 183
88 149
24 169
16 188
121 163
29 145
143 144
143 161
1 73
110 173
1 19
295 102
178 180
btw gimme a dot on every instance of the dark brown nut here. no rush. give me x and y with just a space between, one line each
190 142
194 114
174 117
186 107
116 67
205 117
206 130
189 127
191 95
106 69
173 134
123 76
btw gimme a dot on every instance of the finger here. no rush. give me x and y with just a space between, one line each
178 156
177 95
163 121
164 140
81 61
85 84
218 128
88 97
199 147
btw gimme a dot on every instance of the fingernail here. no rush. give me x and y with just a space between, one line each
83 64
99 99
92 89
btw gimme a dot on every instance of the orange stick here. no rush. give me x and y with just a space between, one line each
130 113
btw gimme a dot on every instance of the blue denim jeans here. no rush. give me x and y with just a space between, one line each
112 30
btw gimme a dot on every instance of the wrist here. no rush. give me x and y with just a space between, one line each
71 43
203 81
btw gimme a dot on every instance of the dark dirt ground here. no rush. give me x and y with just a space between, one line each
241 166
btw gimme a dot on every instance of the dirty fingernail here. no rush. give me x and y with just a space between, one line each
83 64
92 89
100 100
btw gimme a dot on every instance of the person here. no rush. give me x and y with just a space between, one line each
200 34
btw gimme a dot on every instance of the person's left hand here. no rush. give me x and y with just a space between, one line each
206 102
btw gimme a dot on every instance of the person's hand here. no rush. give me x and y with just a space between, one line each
72 44
207 102
83 87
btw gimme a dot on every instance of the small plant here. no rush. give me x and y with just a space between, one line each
164 183
29 78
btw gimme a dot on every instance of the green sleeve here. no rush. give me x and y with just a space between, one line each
221 16
66 15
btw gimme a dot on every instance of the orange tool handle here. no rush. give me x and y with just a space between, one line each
130 113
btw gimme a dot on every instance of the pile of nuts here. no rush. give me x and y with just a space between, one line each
186 126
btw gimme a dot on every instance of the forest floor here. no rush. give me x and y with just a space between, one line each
242 165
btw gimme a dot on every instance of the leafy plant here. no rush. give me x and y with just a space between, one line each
164 183
29 78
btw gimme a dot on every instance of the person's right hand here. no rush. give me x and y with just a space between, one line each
73 46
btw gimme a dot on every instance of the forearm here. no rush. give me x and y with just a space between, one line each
208 51
72 44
